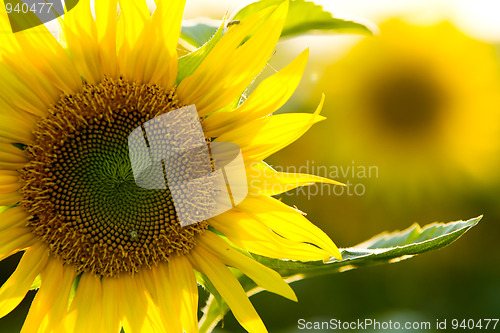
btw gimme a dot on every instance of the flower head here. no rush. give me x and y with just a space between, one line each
112 254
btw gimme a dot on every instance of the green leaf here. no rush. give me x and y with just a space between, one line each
384 248
212 314
305 17
197 32
381 249
74 287
191 61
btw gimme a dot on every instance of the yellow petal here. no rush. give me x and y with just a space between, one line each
132 20
158 294
7 41
106 14
264 180
22 87
13 129
228 287
185 291
12 218
171 12
14 240
168 307
262 275
81 41
268 97
9 153
147 278
288 222
230 67
134 15
49 58
41 87
17 112
85 312
53 320
132 305
19 283
168 16
150 55
9 182
10 199
12 158
256 237
20 71
138 311
195 85
153 313
52 280
265 136
148 60
110 301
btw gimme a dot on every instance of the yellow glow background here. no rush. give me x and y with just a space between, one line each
418 180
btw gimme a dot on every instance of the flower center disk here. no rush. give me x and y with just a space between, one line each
80 188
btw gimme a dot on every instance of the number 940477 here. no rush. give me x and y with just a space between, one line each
37 7
471 324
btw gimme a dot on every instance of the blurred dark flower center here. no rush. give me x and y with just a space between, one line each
406 103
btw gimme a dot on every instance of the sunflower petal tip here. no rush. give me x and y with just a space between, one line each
293 297
289 293
320 105
332 253
337 255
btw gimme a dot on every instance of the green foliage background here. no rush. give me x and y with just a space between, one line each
457 282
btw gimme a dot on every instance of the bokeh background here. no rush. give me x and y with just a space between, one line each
420 103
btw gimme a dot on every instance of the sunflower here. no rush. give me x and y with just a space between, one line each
106 253
420 102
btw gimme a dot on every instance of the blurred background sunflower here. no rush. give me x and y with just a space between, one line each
420 101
